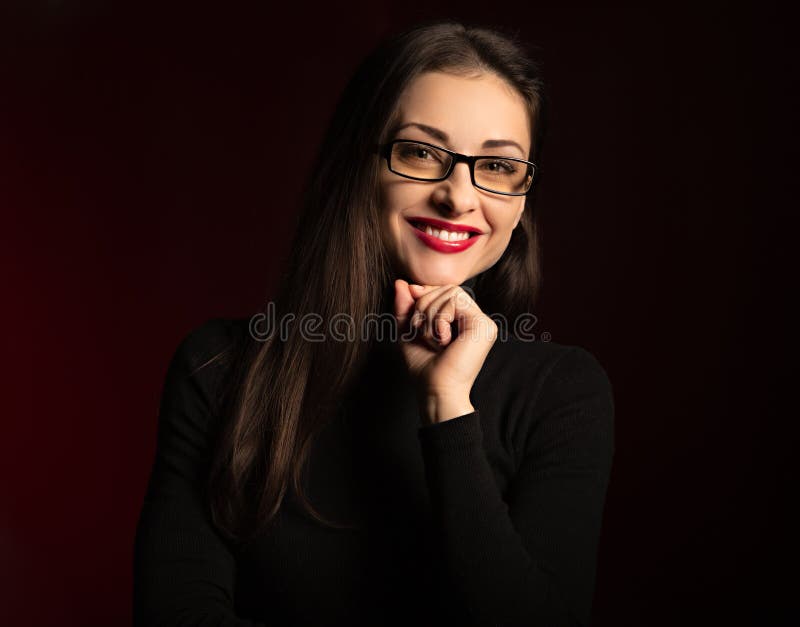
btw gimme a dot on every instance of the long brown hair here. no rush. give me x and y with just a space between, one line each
285 389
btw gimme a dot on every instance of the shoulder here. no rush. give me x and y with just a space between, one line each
547 392
547 371
202 357
204 341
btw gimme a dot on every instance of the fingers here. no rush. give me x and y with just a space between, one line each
441 312
425 294
422 294
403 302
433 313
453 303
419 290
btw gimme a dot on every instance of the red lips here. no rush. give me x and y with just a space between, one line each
447 226
440 245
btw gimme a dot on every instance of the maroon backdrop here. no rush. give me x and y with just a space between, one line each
151 162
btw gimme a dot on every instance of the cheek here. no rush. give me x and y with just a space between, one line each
397 201
502 220
388 201
389 211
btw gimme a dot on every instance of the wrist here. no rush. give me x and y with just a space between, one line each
439 407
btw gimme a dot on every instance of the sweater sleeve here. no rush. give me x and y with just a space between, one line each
527 557
183 570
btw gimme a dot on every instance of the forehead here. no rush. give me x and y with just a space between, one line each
469 110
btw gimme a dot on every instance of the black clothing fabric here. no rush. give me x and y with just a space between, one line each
490 518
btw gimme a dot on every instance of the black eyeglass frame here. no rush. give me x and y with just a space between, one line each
385 151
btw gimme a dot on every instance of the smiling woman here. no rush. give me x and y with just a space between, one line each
465 111
451 475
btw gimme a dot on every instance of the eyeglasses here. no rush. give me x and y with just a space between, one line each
422 161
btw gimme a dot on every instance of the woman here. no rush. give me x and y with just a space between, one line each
454 474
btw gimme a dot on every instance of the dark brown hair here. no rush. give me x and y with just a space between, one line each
285 391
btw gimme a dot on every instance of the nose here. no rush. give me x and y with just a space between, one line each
457 195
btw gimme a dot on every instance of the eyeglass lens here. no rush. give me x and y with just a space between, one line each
493 173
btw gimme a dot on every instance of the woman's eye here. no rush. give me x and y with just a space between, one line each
415 151
418 153
500 167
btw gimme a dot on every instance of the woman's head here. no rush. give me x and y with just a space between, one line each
473 84
474 114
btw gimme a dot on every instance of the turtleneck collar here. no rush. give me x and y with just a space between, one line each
470 282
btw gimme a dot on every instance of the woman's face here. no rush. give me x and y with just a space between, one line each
460 114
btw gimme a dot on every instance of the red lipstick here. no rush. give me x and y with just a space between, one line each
441 245
443 224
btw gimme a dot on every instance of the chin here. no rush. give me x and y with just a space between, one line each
438 276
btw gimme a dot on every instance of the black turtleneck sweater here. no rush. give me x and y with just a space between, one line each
490 518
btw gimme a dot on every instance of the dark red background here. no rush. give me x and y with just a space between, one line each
151 159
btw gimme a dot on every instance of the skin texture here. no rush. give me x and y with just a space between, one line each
469 111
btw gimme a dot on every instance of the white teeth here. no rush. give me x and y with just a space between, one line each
455 236
447 236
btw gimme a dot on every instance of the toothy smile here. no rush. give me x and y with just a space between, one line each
442 234
443 230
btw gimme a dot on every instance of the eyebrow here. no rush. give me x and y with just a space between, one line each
443 137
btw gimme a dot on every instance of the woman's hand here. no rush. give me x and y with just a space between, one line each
444 367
